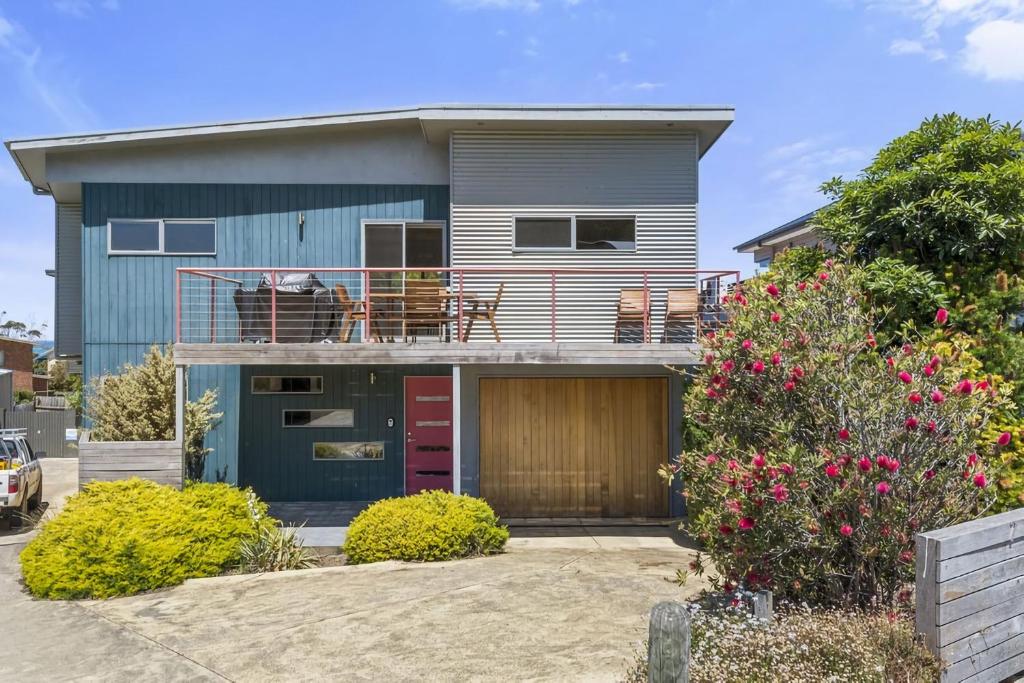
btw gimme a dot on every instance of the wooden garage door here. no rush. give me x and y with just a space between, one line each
574 447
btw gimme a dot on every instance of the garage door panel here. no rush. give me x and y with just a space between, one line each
574 447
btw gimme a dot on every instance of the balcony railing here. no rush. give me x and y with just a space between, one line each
346 305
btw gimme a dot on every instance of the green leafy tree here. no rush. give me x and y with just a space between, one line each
138 405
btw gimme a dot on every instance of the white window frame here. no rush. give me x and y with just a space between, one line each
572 232
383 222
254 392
285 425
161 223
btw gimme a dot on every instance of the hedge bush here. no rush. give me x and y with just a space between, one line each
124 537
429 526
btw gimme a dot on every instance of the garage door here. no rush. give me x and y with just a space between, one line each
574 447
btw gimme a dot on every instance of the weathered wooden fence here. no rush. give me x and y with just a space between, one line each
970 597
160 461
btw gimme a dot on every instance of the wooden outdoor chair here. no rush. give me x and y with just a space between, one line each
484 310
632 310
353 311
426 307
681 306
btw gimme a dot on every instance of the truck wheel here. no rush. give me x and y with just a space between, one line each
19 517
37 497
5 523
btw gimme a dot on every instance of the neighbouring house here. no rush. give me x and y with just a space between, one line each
798 232
17 356
475 298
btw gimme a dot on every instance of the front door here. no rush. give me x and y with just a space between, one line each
428 434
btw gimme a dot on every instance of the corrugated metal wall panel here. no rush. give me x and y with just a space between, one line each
574 168
67 319
278 463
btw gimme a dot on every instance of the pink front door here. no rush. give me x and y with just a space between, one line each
428 434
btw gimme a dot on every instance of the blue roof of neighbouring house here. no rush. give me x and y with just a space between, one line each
791 226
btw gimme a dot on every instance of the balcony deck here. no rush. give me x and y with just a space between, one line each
454 353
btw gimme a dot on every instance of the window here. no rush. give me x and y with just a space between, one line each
351 450
606 233
404 244
194 237
574 233
263 384
338 417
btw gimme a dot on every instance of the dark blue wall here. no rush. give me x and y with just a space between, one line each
128 301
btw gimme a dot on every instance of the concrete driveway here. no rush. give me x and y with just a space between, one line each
567 604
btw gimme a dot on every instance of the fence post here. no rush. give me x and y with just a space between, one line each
668 644
763 605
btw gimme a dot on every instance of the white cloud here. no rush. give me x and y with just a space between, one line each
902 46
647 85
531 49
622 57
521 5
995 50
42 79
83 8
795 170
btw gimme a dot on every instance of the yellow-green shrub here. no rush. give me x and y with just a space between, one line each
123 537
433 525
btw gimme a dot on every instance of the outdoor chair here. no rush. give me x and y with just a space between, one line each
632 311
681 306
353 311
426 307
484 310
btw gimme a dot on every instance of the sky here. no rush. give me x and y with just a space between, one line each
818 85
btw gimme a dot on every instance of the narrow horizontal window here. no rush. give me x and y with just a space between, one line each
265 384
135 236
160 236
606 233
338 417
543 233
349 450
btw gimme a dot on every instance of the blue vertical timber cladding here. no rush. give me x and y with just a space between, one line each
278 462
128 302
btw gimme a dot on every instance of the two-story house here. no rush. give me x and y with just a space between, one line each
476 298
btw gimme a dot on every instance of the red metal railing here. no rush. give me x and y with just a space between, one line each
291 305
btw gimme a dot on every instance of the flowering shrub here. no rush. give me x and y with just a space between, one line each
802 646
826 454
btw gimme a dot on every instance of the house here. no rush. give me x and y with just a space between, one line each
798 232
16 355
463 297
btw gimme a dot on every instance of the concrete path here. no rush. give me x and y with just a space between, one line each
561 604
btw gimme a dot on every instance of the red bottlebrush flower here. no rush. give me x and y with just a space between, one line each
787 468
804 485
972 459
789 385
914 397
928 371
757 367
846 530
780 492
844 460
733 506
981 386
905 377
864 464
711 393
747 523
772 289
747 344
757 461
908 349
729 334
776 358
932 426
801 286
883 461
798 372
823 277
711 459
709 358
911 423
1004 439
929 474
725 529
883 488
728 366
775 317
710 335
733 465
817 287
893 465
773 473
906 556
938 396
935 361
832 470
844 434
941 316
871 340
980 481
890 361
965 387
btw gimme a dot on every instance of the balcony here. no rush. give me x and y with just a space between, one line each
447 315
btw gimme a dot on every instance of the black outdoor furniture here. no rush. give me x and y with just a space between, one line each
306 310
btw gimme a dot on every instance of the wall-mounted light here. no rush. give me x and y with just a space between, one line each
302 225
373 377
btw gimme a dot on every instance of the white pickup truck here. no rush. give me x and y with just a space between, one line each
21 478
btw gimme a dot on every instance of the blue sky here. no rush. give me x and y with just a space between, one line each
818 85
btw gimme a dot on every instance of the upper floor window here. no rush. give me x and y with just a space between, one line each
270 384
574 233
179 237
